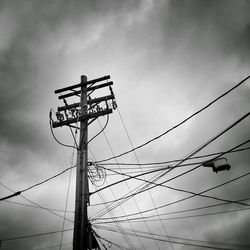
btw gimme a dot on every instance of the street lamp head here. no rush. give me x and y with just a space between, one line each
219 164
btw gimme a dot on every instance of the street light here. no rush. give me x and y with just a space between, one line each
219 164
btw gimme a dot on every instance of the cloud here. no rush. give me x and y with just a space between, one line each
234 229
167 59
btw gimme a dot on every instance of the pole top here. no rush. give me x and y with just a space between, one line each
83 78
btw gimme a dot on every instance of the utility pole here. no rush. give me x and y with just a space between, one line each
85 112
80 238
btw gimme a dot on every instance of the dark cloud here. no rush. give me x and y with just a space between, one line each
236 230
168 58
210 29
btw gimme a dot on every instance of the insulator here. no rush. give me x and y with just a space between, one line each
114 104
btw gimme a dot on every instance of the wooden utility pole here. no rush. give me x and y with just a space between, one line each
80 238
85 112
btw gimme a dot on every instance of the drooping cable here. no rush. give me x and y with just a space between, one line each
137 206
201 194
112 243
137 159
52 132
126 197
120 228
186 191
179 124
205 191
68 188
33 206
34 203
118 225
216 243
33 235
147 187
170 161
186 158
100 130
148 218
184 211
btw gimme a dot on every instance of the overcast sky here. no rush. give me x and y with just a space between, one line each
167 60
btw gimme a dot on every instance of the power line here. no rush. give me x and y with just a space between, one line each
171 161
184 211
37 184
207 190
147 218
181 243
124 199
203 146
48 179
34 203
120 228
112 243
193 194
145 188
137 159
112 152
34 235
190 155
132 177
67 194
107 121
109 228
10 196
185 191
52 132
179 124
33 206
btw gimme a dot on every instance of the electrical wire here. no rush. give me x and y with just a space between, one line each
137 159
33 235
120 228
34 203
190 155
183 211
136 204
100 130
126 197
179 124
145 188
112 229
67 194
112 243
186 191
193 194
48 179
52 132
10 196
197 150
207 190
183 243
170 161
138 219
33 206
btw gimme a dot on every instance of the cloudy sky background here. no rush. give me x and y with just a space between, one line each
167 59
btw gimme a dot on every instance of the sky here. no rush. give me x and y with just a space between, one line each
167 59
